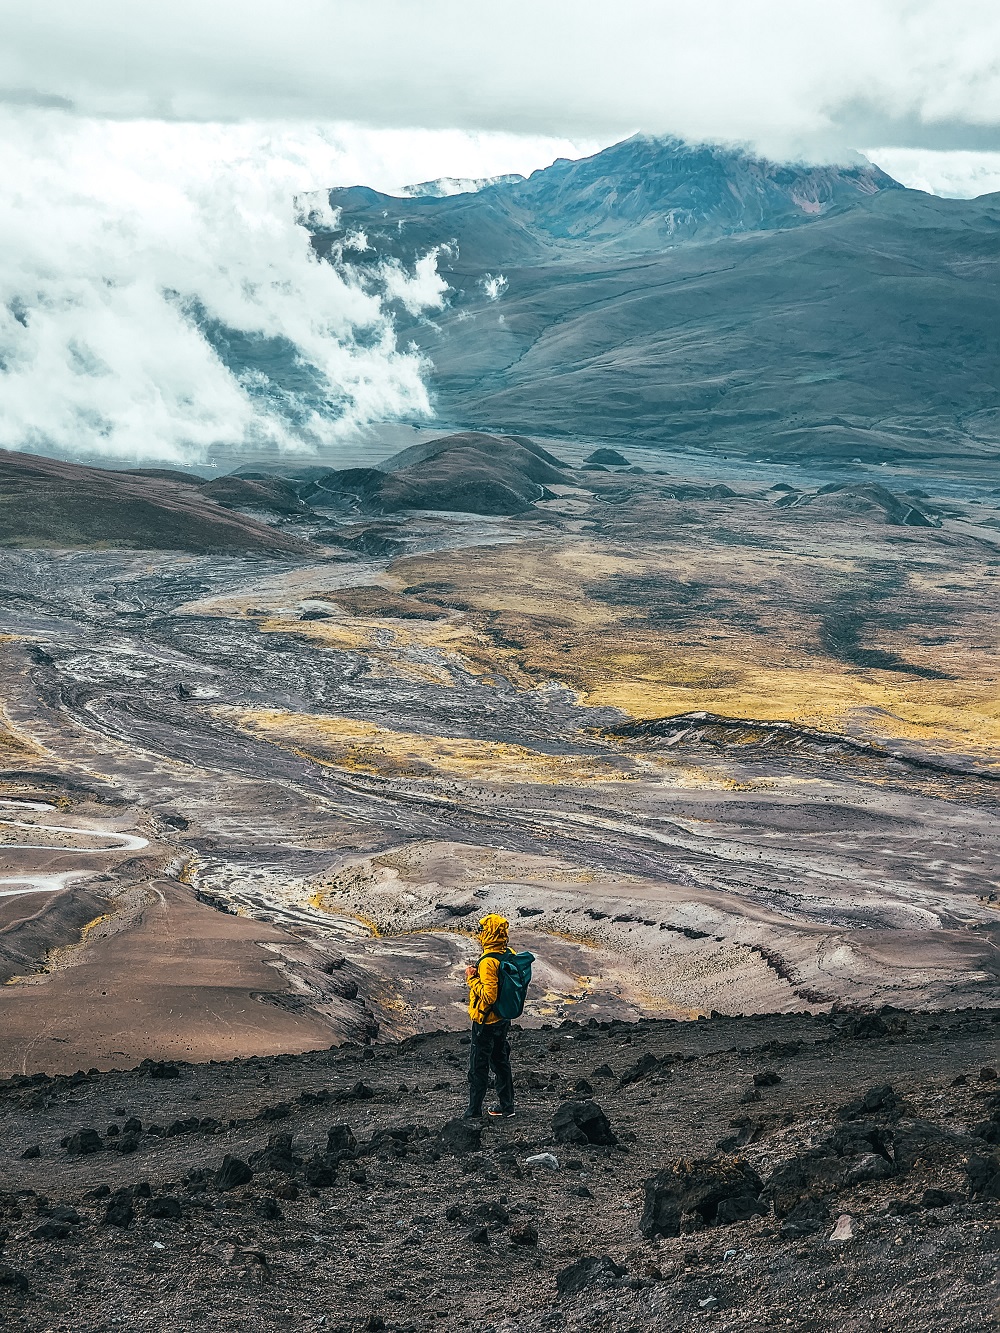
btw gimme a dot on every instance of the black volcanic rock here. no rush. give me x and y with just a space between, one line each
232 1173
119 1211
84 1141
460 1136
699 1188
582 1122
590 1271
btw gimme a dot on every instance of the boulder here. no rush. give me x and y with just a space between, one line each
340 1139
84 1141
164 1206
460 1136
582 1122
319 1173
698 1188
643 1067
232 1173
590 1271
881 1100
809 1215
796 1178
12 1280
767 1078
119 1211
870 1166
524 1234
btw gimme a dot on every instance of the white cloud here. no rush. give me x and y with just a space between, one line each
779 72
955 175
124 242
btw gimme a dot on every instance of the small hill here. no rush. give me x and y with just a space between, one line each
265 494
471 473
867 498
49 503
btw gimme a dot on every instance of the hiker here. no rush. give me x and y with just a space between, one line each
497 986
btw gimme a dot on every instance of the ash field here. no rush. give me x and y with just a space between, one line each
709 745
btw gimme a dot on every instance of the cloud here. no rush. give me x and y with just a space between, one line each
955 174
818 76
158 300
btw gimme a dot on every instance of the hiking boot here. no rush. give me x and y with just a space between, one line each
473 1115
498 1113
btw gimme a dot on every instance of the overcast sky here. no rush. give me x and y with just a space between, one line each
151 150
809 74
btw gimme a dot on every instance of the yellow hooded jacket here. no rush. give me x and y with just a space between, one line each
484 985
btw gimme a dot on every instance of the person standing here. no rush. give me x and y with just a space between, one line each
489 1046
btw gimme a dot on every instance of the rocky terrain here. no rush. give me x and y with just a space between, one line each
710 745
803 1172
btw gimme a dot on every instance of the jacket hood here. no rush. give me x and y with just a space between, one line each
493 933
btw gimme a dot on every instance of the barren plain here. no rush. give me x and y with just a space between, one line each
711 745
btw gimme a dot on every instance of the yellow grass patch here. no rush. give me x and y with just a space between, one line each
366 748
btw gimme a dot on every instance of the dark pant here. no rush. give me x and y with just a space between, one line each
489 1048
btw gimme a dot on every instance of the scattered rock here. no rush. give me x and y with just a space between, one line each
698 1187
844 1228
546 1159
119 1212
84 1141
582 1122
590 1271
768 1078
164 1206
524 1234
160 1069
232 1173
871 1166
52 1230
460 1136
881 1100
12 1280
987 1074
33 1151
645 1065
807 1217
934 1198
359 1093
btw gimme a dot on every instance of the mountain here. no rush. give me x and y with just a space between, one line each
641 195
700 297
48 503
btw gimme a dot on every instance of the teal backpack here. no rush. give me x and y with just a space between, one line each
513 979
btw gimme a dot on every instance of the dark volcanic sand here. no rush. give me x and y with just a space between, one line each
414 1235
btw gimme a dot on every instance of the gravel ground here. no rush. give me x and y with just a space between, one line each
424 1228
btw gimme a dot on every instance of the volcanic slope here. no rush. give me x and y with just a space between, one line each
589 317
45 502
810 1173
